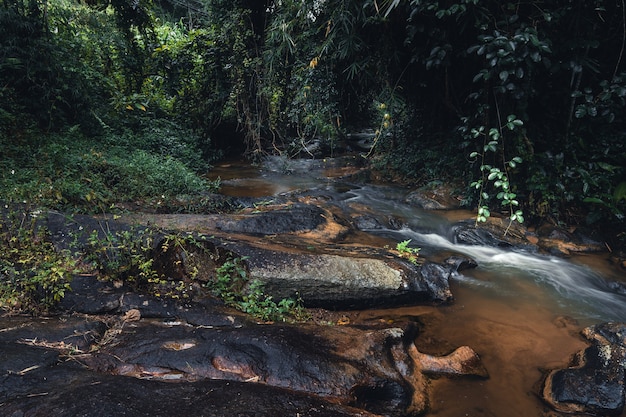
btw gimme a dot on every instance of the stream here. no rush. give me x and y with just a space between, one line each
521 311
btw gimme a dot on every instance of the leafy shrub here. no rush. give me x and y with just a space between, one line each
128 256
125 255
34 276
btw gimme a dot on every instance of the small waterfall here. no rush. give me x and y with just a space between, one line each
573 286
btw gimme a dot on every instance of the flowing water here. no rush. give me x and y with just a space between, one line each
522 312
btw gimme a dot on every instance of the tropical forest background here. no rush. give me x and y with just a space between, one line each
521 103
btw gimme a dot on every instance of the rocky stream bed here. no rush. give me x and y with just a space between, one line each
115 351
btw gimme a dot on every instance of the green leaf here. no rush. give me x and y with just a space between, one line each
606 167
593 200
620 192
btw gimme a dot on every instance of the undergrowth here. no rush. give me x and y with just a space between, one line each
34 275
128 256
71 171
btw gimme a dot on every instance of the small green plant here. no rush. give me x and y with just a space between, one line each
232 285
384 126
124 255
34 276
186 244
498 178
407 252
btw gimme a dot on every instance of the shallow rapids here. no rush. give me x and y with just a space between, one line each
572 289
576 289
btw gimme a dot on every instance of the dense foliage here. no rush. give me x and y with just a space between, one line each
522 101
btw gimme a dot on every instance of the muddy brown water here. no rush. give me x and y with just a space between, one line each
520 317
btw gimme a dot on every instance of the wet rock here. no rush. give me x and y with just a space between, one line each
434 197
423 201
458 263
30 347
437 279
561 242
119 367
301 257
618 287
70 392
146 367
295 218
594 383
364 222
335 281
378 370
462 361
467 233
89 295
340 363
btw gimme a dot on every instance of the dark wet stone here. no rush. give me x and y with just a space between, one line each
468 234
592 388
437 278
618 287
77 332
458 263
23 369
30 348
330 362
150 307
89 295
419 199
299 217
76 393
594 384
433 197
381 396
367 223
610 333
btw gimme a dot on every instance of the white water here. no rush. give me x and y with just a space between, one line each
572 289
